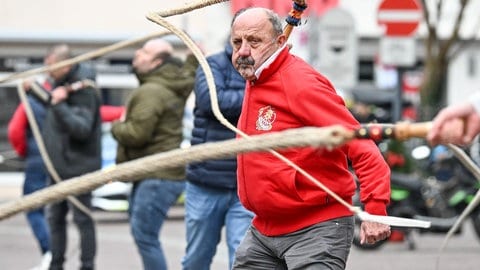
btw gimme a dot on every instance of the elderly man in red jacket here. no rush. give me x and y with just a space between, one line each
297 225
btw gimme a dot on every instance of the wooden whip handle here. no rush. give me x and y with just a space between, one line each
405 130
399 131
287 30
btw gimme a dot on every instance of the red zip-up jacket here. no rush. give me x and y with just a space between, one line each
291 94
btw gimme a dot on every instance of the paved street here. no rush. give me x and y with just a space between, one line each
117 251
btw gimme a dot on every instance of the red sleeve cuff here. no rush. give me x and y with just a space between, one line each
376 207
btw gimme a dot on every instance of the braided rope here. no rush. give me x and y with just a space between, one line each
87 56
83 57
328 137
113 47
190 7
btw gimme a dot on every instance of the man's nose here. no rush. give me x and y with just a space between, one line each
244 49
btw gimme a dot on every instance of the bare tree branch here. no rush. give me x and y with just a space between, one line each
466 43
431 30
456 30
426 15
439 10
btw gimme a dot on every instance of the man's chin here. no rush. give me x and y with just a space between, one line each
247 74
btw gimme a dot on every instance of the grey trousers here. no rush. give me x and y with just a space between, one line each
323 246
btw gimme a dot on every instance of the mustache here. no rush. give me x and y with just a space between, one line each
245 61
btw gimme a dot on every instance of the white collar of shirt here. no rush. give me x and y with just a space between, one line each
268 62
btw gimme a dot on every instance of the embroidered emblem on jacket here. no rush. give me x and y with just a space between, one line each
266 117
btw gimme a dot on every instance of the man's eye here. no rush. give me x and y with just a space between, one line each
253 43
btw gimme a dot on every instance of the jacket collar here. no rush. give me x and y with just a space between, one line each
267 69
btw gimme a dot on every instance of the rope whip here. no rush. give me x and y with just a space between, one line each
297 10
87 56
192 6
108 49
83 57
133 170
327 137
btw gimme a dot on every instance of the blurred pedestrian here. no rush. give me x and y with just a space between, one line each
297 225
21 138
211 199
153 124
72 135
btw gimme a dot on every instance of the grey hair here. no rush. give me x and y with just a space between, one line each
272 17
60 51
275 20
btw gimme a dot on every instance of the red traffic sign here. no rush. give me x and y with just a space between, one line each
400 17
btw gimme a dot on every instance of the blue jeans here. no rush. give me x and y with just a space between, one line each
207 211
149 205
34 181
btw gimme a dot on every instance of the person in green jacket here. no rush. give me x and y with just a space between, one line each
153 124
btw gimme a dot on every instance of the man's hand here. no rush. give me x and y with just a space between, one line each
372 232
457 124
59 94
26 84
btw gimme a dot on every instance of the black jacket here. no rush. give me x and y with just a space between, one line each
230 89
72 128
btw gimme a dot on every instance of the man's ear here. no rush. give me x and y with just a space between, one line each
157 62
281 40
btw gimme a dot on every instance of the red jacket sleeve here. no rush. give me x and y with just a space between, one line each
111 113
17 131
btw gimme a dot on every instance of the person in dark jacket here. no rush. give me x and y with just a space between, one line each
153 124
211 200
72 134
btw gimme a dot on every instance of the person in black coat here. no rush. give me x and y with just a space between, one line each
72 135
